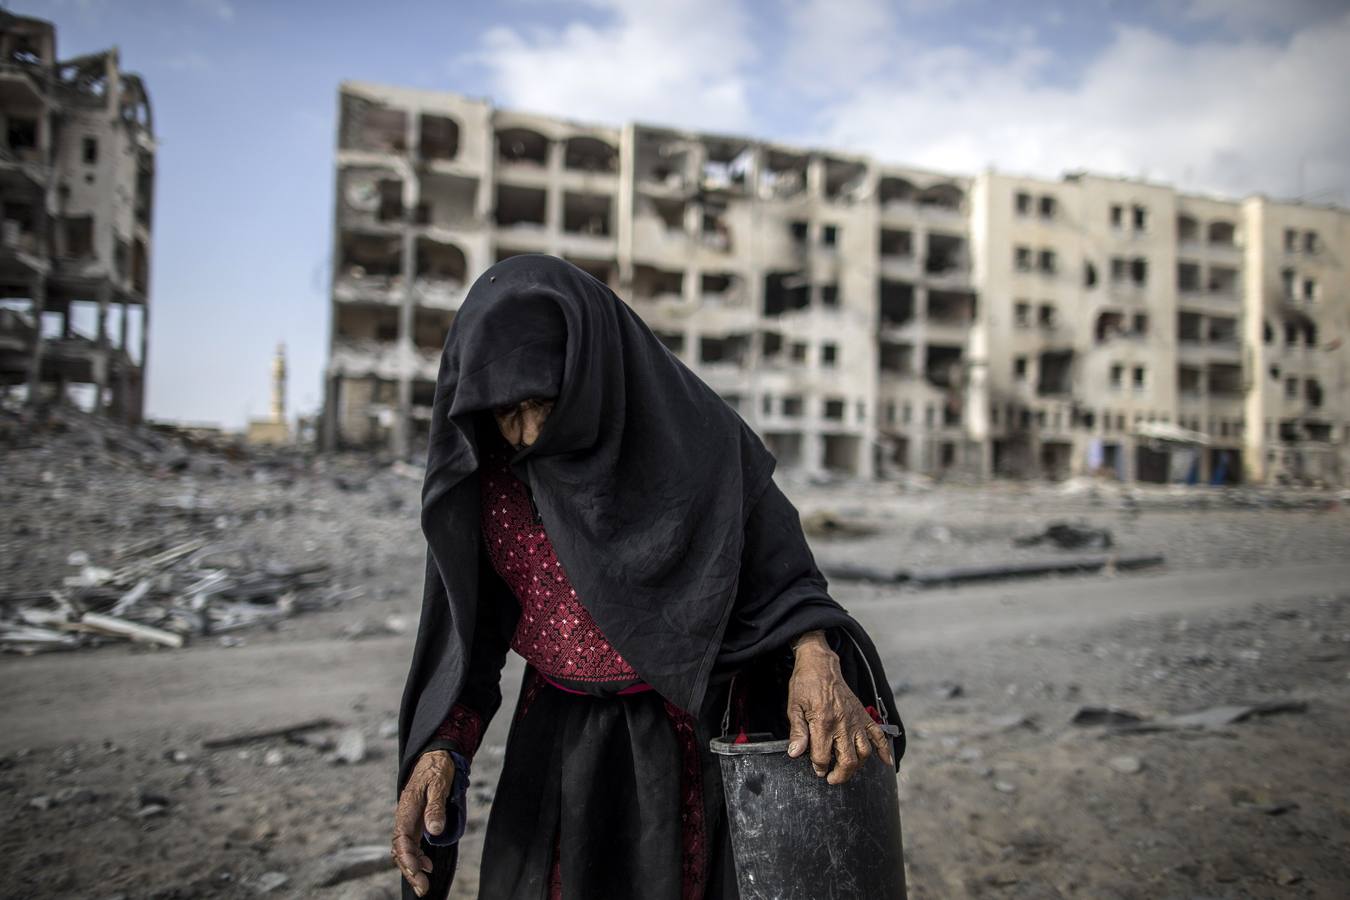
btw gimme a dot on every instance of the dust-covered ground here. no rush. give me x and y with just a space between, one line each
110 792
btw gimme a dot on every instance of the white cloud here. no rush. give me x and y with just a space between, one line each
1233 117
678 63
1254 16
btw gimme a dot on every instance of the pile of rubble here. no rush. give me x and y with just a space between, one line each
133 533
162 594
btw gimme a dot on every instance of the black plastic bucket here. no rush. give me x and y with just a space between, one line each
796 837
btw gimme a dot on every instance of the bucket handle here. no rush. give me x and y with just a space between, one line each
871 676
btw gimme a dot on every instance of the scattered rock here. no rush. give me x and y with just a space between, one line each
1287 876
351 747
1067 536
41 802
949 690
1005 787
74 795
274 757
269 882
1105 715
1126 765
351 863
388 729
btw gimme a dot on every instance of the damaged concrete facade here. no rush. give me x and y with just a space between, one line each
77 173
865 319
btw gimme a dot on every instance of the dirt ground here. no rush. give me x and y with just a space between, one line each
111 793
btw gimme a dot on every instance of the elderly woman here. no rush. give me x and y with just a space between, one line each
594 506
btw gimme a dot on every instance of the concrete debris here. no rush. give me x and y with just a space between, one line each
266 734
351 863
825 523
1067 536
1119 721
1125 765
351 747
1105 715
270 881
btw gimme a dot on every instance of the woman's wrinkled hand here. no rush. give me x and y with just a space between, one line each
422 804
826 718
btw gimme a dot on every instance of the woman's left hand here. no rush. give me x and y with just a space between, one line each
825 717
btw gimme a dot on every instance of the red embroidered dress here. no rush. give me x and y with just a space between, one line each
558 637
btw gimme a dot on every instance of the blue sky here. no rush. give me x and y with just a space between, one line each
1227 96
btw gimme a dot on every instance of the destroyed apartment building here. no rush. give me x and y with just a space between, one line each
77 171
866 319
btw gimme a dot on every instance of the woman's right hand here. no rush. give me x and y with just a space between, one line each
422 804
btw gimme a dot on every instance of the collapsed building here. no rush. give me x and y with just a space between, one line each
77 172
864 318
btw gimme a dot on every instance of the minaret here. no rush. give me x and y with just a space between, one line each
279 385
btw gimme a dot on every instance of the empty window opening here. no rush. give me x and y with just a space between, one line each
771 347
1109 325
785 292
1089 274
438 137
1312 392
942 365
840 453
896 244
833 409
669 210
829 296
372 127
715 286
1022 203
793 405
1222 234
892 191
371 256
951 307
946 253
1049 207
78 233
140 267
1222 280
391 200
1188 229
844 179
783 175
430 327
589 154
1288 283
1188 277
521 146
438 261
799 230
1309 334
729 350
650 283
829 235
1046 262
726 165
829 354
897 303
1223 331
1140 324
1019 368
365 323
1022 259
1022 314
447 201
587 214
1224 379
798 351
1139 378
1190 380
21 136
896 359
1290 240
1056 373
89 150
1190 327
521 206
1310 290
1046 316
1139 217
1310 242
714 229
945 196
